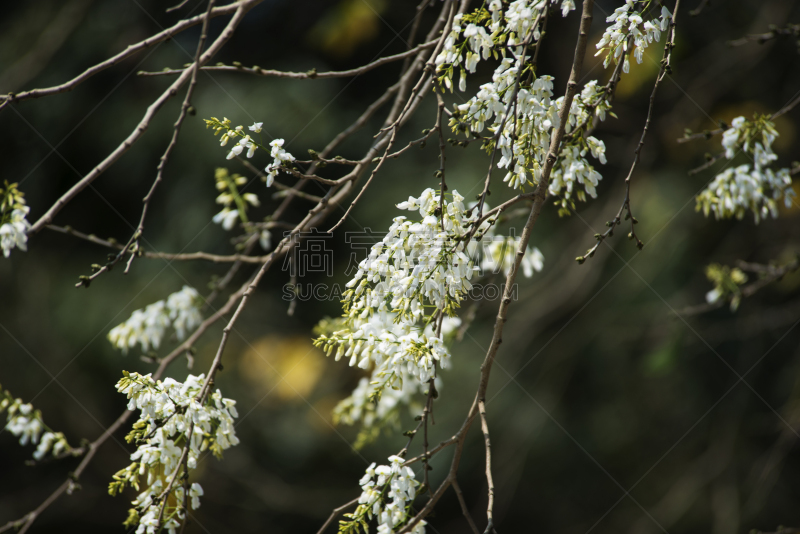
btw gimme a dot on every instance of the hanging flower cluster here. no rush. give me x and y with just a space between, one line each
235 203
147 327
26 423
399 306
393 305
628 23
499 253
387 493
480 34
517 107
13 225
171 419
280 158
525 117
758 187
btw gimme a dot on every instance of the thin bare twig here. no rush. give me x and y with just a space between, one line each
129 51
133 243
464 508
489 478
309 75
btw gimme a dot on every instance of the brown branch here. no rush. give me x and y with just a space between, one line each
442 159
129 51
24 523
791 30
242 9
336 511
489 479
332 198
311 74
401 117
189 256
708 134
464 508
133 243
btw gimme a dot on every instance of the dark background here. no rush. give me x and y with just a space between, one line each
609 412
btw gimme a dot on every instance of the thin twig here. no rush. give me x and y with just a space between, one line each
489 478
309 75
169 33
133 243
336 511
464 508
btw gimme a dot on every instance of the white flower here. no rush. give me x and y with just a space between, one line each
195 492
499 254
387 497
249 144
265 239
760 189
417 264
235 151
227 218
713 296
14 232
280 157
147 327
256 127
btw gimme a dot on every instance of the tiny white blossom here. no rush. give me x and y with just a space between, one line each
147 327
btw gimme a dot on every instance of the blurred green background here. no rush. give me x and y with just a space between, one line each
608 412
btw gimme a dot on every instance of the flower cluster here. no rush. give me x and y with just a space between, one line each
726 284
417 265
499 254
523 121
13 225
26 423
175 426
147 327
387 493
628 24
280 158
480 34
758 187
235 203
400 305
396 304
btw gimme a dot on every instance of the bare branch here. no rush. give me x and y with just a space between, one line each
128 52
489 479
310 75
464 508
